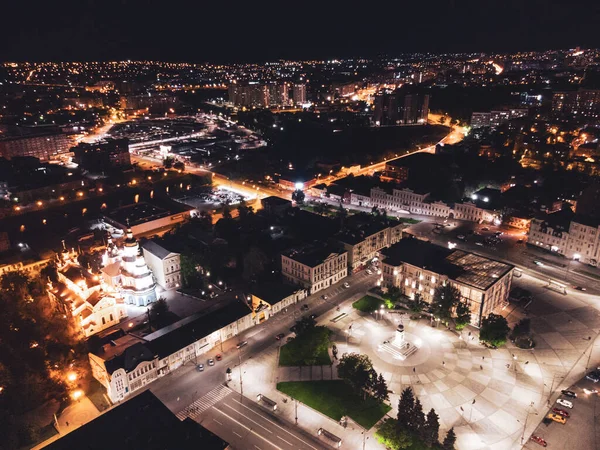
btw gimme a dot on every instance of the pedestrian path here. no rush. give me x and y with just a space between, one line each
205 402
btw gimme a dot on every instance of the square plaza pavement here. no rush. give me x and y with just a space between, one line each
492 398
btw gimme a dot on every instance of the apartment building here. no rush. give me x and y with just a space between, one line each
416 266
165 265
314 268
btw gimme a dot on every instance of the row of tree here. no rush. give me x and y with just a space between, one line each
357 370
413 425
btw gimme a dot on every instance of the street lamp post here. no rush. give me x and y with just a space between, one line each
526 418
241 381
515 362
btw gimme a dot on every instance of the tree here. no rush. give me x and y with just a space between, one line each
374 210
298 196
189 271
449 440
159 313
168 162
463 315
226 212
406 409
356 370
179 166
254 263
444 299
431 429
389 435
49 273
303 325
417 304
244 211
380 389
522 328
494 330
418 417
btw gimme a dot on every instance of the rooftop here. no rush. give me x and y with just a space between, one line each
465 267
312 256
156 249
273 293
141 423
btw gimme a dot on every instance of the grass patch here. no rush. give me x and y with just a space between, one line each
409 220
368 304
336 399
309 347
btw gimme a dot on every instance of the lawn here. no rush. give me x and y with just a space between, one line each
368 304
313 343
336 399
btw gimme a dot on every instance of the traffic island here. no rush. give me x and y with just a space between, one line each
336 399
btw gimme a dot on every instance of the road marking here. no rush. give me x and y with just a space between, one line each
203 403
215 420
238 435
281 428
256 447
248 418
288 443
249 429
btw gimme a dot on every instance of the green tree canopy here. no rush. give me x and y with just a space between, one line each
445 298
159 313
494 330
449 440
389 435
431 429
463 315
356 370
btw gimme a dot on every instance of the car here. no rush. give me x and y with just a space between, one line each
498 233
590 391
219 357
562 412
485 229
461 237
519 241
369 272
566 403
314 316
210 362
557 418
579 288
593 376
346 285
304 307
279 336
479 243
242 344
538 440
324 296
568 393
200 367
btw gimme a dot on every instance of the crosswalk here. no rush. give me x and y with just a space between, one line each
203 403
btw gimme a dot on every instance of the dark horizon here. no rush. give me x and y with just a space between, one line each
188 32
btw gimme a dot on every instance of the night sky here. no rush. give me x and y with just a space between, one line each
236 31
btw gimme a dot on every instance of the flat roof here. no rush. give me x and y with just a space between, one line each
273 293
465 267
312 256
141 423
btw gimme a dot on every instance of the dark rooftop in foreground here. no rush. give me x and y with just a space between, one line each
312 256
468 268
273 293
141 423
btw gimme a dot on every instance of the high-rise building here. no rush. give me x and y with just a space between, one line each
584 103
102 156
44 147
257 95
299 93
480 119
400 108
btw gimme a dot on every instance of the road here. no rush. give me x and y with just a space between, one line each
186 388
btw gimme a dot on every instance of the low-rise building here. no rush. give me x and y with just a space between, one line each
126 364
364 235
551 231
416 266
314 268
165 265
270 298
584 240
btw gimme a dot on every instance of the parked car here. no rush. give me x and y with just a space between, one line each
562 412
579 288
279 336
369 271
210 362
346 285
242 344
593 376
324 296
314 316
479 243
568 393
485 229
566 403
219 357
461 237
519 241
200 367
304 307
557 418
538 440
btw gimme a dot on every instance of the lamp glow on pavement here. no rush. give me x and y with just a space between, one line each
77 394
72 376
